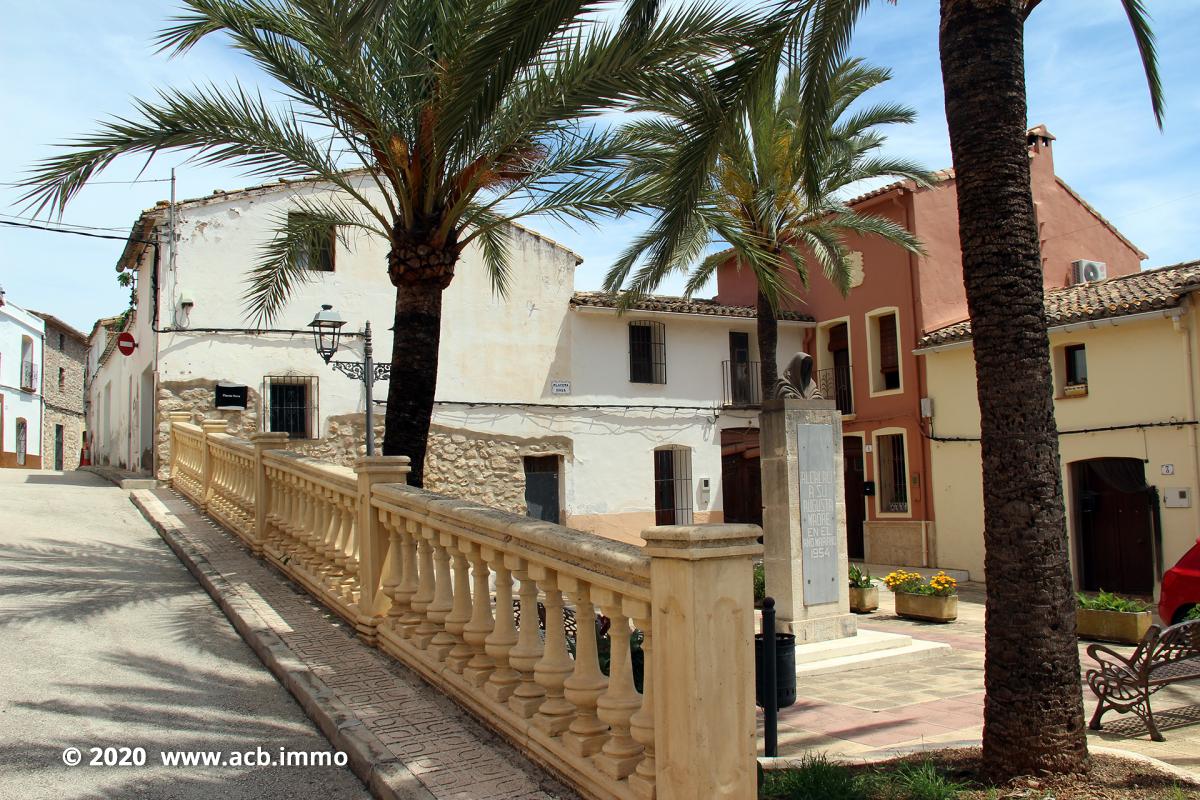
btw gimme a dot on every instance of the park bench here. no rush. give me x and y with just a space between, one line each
1126 683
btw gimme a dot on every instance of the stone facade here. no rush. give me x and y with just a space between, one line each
197 397
64 359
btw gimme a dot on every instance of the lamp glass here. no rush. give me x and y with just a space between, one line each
326 326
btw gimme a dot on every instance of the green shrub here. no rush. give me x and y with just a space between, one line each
760 584
817 778
860 579
1107 601
924 782
1194 613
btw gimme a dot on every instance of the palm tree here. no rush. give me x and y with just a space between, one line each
1033 714
754 197
435 123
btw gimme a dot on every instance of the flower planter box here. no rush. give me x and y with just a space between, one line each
864 601
1125 627
927 607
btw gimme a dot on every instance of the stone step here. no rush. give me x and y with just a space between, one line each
864 642
916 651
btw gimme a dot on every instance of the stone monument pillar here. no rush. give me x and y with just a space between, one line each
804 518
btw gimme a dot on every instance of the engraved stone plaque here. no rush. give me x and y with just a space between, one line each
818 513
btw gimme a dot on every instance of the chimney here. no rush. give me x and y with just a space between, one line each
1041 154
1 295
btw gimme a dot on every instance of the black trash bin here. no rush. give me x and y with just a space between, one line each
785 670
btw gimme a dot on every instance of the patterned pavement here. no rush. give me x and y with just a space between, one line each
434 741
939 701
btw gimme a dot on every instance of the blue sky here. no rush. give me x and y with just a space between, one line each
68 63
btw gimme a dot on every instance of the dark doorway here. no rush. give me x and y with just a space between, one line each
1114 525
741 476
58 446
541 488
740 380
856 504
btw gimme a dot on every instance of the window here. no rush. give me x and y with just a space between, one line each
647 352
317 253
889 352
672 486
62 379
1076 365
893 474
291 405
22 441
62 342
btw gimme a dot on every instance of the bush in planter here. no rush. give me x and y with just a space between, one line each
860 579
940 585
1194 614
1107 601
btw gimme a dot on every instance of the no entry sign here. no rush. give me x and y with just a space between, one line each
126 344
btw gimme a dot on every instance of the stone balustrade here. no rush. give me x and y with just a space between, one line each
542 632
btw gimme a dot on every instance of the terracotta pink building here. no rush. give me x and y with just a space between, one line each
864 343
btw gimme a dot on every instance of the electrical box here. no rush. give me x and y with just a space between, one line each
927 407
1177 497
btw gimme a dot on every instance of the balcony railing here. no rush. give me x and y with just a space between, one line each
741 384
29 376
834 384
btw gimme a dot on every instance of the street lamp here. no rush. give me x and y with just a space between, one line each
327 328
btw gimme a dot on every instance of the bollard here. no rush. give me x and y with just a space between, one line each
771 707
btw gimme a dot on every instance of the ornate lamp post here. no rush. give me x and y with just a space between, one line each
327 331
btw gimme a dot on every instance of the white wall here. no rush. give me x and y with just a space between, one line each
15 325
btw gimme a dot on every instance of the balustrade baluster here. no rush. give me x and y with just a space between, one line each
585 685
527 695
456 621
410 585
641 724
475 632
349 582
555 713
500 641
425 630
620 754
393 563
443 597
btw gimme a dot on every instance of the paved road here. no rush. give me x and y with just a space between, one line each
106 640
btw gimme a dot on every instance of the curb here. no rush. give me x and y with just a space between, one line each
385 776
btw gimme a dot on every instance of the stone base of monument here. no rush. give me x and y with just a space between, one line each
820 629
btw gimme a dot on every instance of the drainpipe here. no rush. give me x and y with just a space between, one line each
1188 330
918 318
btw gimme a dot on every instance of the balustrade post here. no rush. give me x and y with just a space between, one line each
701 585
587 683
373 538
262 487
500 641
208 428
555 714
525 654
621 753
175 417
481 624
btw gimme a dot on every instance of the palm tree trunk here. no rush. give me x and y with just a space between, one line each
1033 711
768 344
420 272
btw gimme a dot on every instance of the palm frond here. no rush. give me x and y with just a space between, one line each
1143 34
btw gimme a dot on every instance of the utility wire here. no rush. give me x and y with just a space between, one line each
76 233
66 224
94 183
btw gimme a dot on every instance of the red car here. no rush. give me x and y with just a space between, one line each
1181 587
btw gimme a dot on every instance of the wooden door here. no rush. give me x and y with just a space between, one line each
856 504
1114 529
741 476
58 447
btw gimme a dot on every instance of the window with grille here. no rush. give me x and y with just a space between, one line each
317 253
647 352
291 405
62 379
893 474
672 486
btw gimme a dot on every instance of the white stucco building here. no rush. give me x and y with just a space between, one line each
548 400
22 336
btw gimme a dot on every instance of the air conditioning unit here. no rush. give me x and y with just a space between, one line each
1088 271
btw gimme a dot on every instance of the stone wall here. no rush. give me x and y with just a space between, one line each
63 350
460 463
